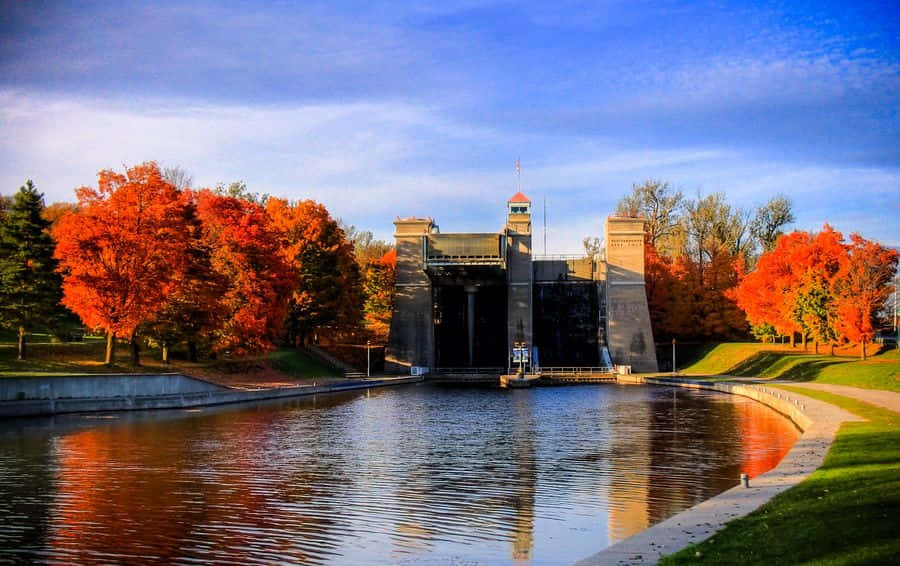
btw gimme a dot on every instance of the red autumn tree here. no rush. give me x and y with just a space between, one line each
194 308
862 285
328 290
245 250
121 250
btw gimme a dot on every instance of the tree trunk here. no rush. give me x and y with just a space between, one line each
793 338
21 343
192 351
803 338
165 353
135 351
862 348
816 346
110 347
831 353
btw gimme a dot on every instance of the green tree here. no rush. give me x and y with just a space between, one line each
814 310
593 247
328 297
660 206
29 285
769 220
239 190
714 228
179 177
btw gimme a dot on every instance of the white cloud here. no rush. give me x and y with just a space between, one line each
372 161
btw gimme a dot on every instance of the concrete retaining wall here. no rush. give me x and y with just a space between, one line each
100 386
130 392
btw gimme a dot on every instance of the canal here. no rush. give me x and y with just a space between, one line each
405 475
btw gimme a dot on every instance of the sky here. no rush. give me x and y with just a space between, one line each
385 109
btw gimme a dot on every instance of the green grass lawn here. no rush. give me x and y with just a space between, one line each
881 371
45 359
847 512
298 363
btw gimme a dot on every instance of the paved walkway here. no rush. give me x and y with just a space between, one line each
880 398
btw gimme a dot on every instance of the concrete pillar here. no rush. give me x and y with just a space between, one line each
411 341
629 335
470 321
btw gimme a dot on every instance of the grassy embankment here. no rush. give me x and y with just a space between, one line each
880 371
46 359
846 512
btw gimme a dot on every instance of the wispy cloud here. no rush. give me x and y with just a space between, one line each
369 162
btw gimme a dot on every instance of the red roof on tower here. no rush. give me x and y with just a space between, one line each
519 197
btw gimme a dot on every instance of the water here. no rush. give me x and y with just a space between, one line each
407 475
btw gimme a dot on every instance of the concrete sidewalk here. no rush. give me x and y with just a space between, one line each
879 397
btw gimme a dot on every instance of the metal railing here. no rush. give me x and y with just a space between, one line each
469 371
576 371
440 260
558 257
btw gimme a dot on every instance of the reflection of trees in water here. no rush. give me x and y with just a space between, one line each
629 477
173 496
178 486
677 449
690 462
766 437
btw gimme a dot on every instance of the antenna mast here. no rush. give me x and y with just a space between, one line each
518 175
545 224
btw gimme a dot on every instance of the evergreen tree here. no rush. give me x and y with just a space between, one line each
29 284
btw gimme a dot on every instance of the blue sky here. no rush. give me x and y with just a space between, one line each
380 109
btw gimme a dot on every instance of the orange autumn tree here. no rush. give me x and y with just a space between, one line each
379 289
686 302
194 308
816 264
820 286
121 250
328 291
862 285
766 293
245 251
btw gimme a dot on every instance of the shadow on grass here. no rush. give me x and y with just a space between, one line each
791 367
688 354
807 371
